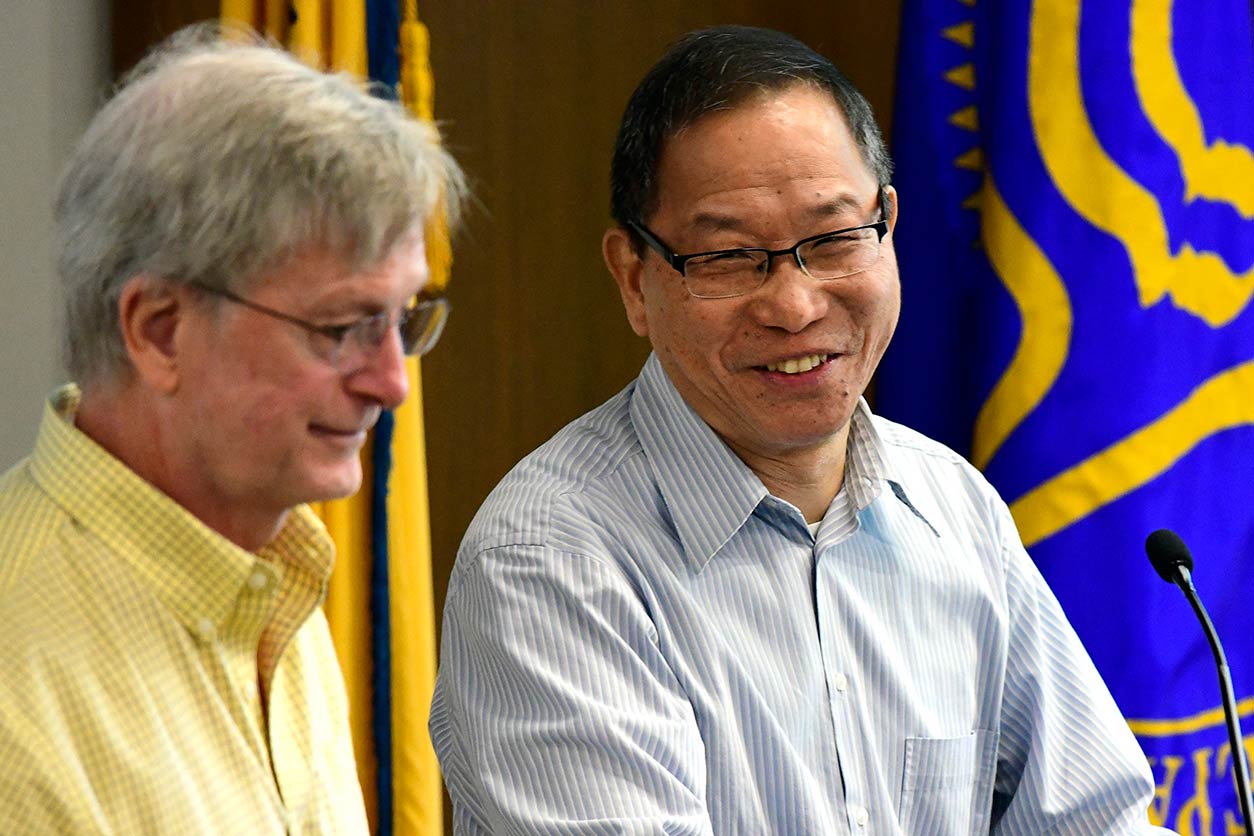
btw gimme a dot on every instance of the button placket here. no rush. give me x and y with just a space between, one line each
840 696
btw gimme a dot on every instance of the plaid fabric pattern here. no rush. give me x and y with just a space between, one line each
153 676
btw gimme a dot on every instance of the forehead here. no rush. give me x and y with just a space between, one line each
779 144
318 273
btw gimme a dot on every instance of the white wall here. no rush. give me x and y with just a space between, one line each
54 73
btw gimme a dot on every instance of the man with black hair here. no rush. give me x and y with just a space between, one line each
731 600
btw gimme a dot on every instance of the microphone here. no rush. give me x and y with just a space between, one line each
1170 556
1173 563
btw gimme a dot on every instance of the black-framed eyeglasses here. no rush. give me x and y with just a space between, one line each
353 344
721 274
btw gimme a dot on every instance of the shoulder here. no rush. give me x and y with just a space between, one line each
59 583
910 444
32 526
562 496
946 488
583 458
910 453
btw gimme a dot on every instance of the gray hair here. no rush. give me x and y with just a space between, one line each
216 160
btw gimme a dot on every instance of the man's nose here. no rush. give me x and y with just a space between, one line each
789 298
384 378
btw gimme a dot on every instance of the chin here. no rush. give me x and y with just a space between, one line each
335 484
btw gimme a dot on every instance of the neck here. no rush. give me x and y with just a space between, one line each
808 478
126 422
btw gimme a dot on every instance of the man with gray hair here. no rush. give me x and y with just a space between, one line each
242 253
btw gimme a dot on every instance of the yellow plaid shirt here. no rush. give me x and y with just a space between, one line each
155 678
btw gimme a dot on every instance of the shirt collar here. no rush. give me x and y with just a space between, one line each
865 466
195 571
708 490
868 466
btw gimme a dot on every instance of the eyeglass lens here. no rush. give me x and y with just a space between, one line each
419 328
737 272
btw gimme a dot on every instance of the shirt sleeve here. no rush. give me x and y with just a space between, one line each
555 711
1067 761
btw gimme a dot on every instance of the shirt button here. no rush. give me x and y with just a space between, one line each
258 580
205 628
861 816
841 682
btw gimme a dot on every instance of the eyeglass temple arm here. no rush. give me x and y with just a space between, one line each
657 245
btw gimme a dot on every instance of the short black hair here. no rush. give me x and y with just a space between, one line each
716 69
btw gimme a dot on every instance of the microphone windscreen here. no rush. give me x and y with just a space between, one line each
1167 551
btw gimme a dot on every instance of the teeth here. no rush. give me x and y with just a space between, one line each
797 364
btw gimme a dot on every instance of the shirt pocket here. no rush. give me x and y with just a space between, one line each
947 784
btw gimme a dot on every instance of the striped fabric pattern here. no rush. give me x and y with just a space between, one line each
153 676
638 638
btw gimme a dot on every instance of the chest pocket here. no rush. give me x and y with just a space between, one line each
947 784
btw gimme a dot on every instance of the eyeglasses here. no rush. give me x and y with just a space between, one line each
353 344
722 274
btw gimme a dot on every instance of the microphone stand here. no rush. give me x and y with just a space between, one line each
1240 769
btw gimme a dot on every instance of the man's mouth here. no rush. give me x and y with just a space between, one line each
347 428
798 365
339 432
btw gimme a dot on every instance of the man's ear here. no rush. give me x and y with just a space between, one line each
892 213
150 312
627 268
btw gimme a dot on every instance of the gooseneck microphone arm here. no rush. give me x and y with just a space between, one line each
1174 564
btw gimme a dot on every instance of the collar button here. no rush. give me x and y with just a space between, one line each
206 629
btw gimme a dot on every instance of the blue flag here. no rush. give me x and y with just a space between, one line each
1077 257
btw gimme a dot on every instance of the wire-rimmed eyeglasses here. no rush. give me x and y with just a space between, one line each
352 344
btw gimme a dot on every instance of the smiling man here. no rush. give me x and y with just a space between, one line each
731 600
241 251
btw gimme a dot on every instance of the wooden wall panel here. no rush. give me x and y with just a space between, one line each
138 24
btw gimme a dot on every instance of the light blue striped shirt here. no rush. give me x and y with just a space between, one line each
639 638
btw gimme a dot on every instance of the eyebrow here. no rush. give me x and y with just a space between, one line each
720 222
344 309
351 303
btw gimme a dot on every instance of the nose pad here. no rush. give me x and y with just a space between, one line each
793 258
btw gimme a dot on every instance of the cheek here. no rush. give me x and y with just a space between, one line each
240 428
670 321
875 304
891 287
694 333
268 407
702 341
266 413
890 307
